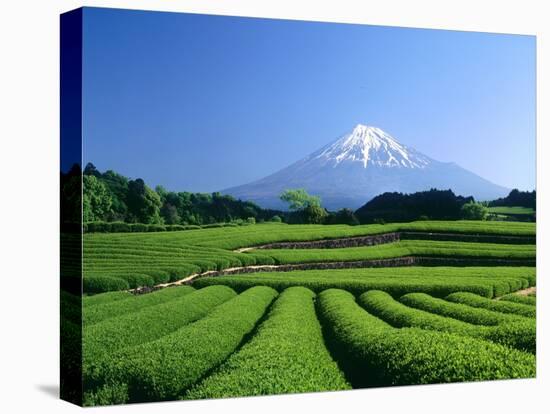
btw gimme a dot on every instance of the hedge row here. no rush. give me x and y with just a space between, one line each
166 368
286 355
499 306
108 297
149 323
382 305
132 303
426 248
476 316
525 300
375 354
436 281
122 227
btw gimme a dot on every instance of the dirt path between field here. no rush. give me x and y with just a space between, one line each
526 292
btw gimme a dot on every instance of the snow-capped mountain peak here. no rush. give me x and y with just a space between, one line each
371 146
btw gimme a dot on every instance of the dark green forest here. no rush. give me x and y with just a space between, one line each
109 196
113 202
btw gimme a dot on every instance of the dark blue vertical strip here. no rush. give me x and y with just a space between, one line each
71 206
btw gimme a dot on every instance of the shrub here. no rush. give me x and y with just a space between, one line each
375 354
139 227
165 368
251 220
130 329
473 211
476 301
292 337
120 227
156 227
98 227
276 219
476 316
94 313
525 300
100 284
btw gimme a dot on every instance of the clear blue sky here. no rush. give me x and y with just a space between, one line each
202 103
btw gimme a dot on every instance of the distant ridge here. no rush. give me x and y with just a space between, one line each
360 165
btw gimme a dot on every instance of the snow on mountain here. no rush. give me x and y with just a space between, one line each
371 145
360 165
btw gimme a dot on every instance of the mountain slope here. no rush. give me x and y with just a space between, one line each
360 165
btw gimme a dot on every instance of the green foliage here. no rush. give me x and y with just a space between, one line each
473 211
375 354
99 311
276 219
287 354
525 300
99 284
299 199
129 329
424 248
96 200
143 203
342 216
251 220
498 306
166 368
476 316
382 305
436 281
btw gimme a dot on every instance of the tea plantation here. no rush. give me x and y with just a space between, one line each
267 309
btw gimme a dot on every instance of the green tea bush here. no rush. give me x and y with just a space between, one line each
525 300
499 306
166 368
104 298
375 354
149 323
94 313
287 354
398 315
99 284
436 281
476 316
382 305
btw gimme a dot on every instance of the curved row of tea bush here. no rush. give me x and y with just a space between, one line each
525 300
426 248
164 369
107 297
375 354
476 316
149 323
245 236
499 306
123 263
287 354
436 281
382 305
133 303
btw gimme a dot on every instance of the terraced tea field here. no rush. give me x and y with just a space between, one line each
275 308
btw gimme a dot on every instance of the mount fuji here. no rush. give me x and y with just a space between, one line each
361 165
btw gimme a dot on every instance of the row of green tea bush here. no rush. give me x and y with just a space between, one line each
373 353
287 354
164 369
399 315
436 281
149 323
